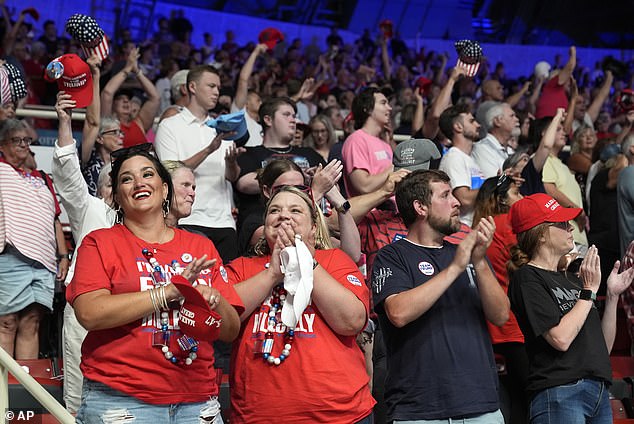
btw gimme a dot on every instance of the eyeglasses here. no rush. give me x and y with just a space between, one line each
116 132
19 140
131 151
284 187
565 225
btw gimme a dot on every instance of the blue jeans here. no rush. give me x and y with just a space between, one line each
494 417
101 404
583 401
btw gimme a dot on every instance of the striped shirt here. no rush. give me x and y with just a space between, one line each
27 215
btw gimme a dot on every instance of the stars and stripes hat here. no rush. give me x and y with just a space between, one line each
469 56
73 76
89 34
12 85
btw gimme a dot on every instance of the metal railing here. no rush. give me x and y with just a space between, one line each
9 365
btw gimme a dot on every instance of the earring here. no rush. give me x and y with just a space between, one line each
119 218
166 208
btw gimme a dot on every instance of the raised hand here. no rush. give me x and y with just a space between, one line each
232 153
325 178
619 282
64 106
590 271
193 269
485 230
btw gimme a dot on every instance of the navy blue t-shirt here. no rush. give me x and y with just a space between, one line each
440 365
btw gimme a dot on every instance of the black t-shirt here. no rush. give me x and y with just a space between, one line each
604 218
441 364
532 180
256 158
539 299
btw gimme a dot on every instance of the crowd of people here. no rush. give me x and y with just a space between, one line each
338 273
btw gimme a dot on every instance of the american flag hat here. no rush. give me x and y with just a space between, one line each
12 85
89 34
469 56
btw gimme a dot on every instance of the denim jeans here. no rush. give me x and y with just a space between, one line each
102 404
583 401
494 417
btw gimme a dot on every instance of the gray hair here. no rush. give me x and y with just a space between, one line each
104 175
108 123
11 126
493 112
173 165
626 147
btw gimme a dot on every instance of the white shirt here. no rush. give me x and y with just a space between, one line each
490 155
463 172
180 137
86 213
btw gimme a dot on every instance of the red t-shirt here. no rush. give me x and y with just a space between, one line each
324 378
553 96
133 134
123 358
499 254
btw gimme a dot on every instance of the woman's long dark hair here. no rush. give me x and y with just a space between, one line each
160 169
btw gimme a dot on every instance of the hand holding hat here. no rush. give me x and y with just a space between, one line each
270 37
89 34
197 318
73 76
469 56
232 122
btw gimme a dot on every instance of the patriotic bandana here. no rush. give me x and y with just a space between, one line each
469 56
89 34
12 86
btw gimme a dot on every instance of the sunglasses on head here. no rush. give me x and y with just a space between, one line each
131 151
301 187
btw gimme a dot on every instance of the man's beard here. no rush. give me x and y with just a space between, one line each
473 136
446 227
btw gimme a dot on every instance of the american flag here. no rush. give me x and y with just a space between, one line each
15 81
469 56
89 34
5 89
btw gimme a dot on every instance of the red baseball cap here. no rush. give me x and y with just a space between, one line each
197 319
537 209
73 76
270 37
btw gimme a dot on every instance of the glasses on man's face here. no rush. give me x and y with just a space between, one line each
131 151
16 141
565 225
116 132
284 187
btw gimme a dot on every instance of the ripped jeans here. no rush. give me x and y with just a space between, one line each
104 405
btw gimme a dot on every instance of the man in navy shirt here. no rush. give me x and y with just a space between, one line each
432 298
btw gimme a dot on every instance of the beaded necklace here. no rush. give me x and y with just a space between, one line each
270 307
161 338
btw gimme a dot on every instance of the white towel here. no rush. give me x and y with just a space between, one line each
297 266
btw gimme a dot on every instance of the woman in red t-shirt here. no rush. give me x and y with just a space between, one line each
495 197
136 361
310 370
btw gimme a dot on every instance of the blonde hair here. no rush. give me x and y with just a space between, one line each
322 237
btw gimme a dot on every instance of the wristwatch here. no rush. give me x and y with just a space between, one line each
586 294
344 207
68 256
